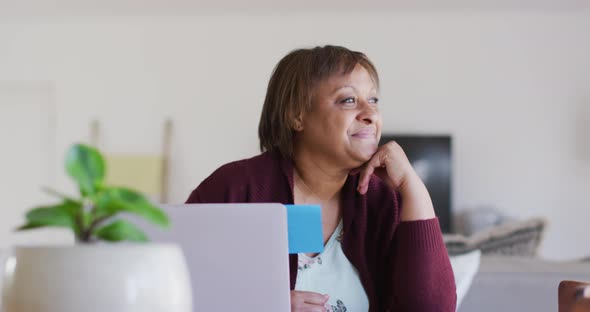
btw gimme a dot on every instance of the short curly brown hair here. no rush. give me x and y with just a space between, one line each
291 87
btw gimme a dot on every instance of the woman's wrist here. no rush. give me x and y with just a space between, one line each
416 202
412 185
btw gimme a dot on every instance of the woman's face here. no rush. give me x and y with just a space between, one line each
344 123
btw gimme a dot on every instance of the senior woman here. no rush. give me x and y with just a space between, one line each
319 134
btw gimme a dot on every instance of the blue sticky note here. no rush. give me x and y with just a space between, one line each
304 224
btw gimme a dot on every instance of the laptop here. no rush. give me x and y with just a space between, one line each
237 254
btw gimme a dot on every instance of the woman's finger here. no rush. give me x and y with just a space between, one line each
375 162
364 178
309 297
356 170
308 301
314 298
313 308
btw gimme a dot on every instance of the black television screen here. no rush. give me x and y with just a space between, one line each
430 155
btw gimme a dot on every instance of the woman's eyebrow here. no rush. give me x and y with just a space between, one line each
344 87
374 90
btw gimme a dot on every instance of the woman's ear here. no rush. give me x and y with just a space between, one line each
298 123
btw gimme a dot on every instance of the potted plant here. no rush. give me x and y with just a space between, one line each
95 276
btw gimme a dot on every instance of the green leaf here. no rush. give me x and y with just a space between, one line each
28 227
59 195
86 166
113 200
121 231
62 215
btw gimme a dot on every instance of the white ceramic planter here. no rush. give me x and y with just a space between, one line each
98 278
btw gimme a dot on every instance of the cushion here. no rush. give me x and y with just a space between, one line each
465 267
508 239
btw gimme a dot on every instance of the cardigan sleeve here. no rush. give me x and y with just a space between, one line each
422 275
416 271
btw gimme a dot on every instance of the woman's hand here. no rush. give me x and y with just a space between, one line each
308 301
392 166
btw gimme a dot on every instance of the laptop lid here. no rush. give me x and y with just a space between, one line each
237 254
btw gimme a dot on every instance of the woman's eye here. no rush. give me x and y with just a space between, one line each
374 100
349 100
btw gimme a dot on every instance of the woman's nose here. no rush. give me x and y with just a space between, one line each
368 113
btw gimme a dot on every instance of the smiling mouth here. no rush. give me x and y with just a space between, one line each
364 135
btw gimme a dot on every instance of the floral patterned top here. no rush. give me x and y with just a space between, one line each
330 272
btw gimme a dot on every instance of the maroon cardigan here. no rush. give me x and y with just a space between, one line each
403 266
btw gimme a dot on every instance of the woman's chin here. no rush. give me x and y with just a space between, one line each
368 150
363 149
363 155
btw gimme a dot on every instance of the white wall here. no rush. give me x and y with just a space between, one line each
510 86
